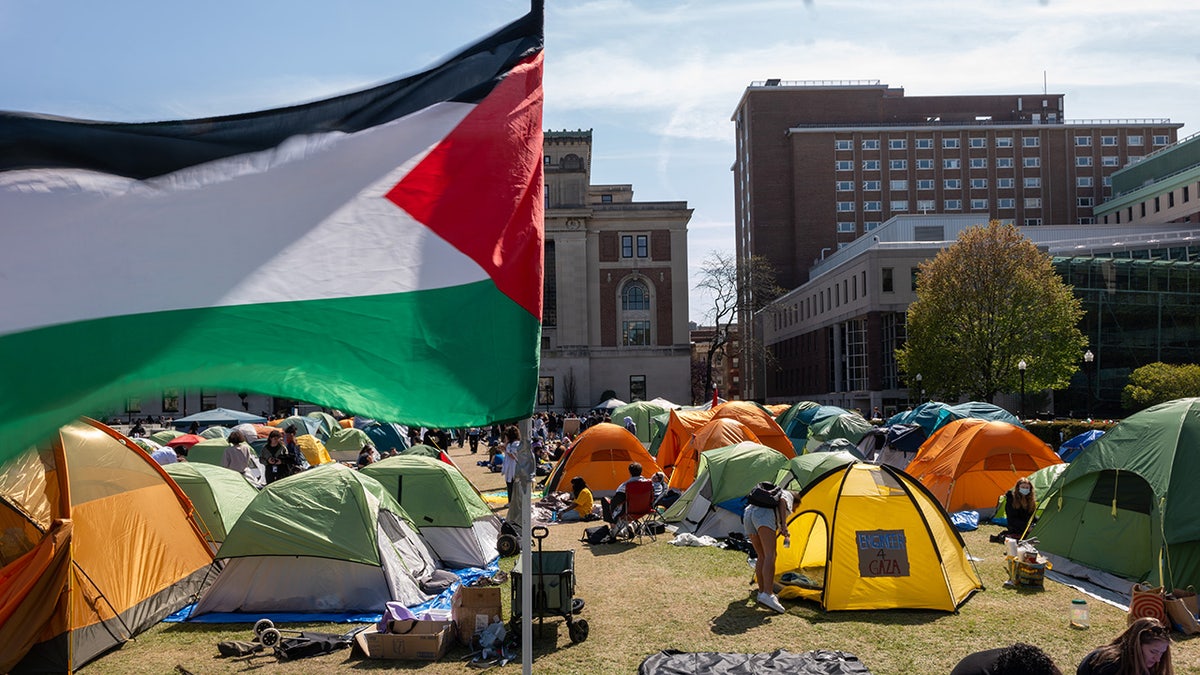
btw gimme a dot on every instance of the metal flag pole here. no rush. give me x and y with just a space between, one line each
522 485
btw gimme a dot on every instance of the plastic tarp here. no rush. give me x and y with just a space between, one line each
783 662
1072 447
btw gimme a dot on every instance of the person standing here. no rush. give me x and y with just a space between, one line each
1143 649
761 522
630 425
512 445
237 455
473 439
281 463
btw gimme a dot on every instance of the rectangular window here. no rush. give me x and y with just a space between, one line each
979 162
1083 141
1004 141
845 206
1033 202
1004 162
1033 222
1107 181
545 395
637 387
912 277
1031 162
1162 140
897 144
208 400
925 184
885 276
1005 183
949 143
925 205
899 205
844 165
1033 182
953 204
898 185
643 246
952 184
872 185
1186 198
1110 141
605 199
978 183
1083 161
924 143
1083 182
1006 203
1030 142
1084 202
924 163
872 206
978 142
845 186
871 165
1134 159
1110 160
546 160
870 225
1134 140
846 226
1088 220
870 144
1156 205
951 163
898 164
635 333
843 144
979 205
627 246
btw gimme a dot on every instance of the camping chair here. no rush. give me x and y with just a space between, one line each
639 510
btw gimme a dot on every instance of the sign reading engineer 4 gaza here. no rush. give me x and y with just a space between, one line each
882 553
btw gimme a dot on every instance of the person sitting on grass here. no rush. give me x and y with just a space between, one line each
1017 659
1143 649
581 504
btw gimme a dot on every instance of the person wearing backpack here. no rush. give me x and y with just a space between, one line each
767 509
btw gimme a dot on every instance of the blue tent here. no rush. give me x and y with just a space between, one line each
385 436
1071 448
218 416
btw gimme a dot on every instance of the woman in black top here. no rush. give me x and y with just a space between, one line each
1143 649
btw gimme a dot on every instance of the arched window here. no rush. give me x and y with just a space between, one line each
635 320
635 295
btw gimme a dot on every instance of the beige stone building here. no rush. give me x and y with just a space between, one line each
616 287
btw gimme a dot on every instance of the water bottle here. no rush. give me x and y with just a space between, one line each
554 516
1079 613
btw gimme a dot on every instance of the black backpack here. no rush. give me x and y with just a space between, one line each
765 494
597 535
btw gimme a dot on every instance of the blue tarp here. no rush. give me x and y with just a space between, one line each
1071 448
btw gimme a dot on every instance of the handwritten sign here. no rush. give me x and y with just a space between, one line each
882 553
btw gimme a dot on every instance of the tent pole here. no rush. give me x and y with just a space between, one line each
523 485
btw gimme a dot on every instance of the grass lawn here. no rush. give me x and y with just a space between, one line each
653 596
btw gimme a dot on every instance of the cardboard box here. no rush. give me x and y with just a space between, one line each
473 609
414 640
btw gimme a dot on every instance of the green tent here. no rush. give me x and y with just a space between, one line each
218 496
713 504
215 432
1043 481
454 519
163 437
848 425
1128 505
345 444
328 423
422 450
329 539
659 427
642 413
211 451
801 470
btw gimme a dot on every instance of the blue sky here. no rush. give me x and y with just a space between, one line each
656 80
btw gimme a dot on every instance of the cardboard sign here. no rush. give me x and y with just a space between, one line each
882 553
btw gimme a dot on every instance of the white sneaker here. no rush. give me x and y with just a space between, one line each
770 601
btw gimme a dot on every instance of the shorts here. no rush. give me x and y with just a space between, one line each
755 517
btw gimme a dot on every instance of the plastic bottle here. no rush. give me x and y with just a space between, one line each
1079 613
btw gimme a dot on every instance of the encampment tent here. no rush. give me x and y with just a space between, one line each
329 539
679 452
217 416
969 463
97 547
1043 481
1072 447
714 503
716 433
849 426
345 444
642 413
453 518
218 496
802 469
601 455
1128 505
871 537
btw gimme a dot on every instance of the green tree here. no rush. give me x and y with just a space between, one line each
1160 382
984 304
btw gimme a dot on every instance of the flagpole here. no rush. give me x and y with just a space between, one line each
523 483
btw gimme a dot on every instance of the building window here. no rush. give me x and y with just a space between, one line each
953 204
925 184
635 334
870 165
1004 141
870 225
979 205
885 275
1110 160
978 142
846 226
1110 141
1005 183
605 199
1156 205
844 165
978 183
897 144
1134 140
845 186
898 164
949 143
872 185
924 143
643 246
1030 142
546 160
845 144
208 400
952 183
1033 182
545 395
979 162
870 144
1033 222
627 246
845 206
635 296
1084 202
1134 159
1031 162
897 185
1083 161
637 387
1087 220
924 205
1083 141
1161 140
872 206
1006 203
913 272
1083 182
899 205
1033 202
1004 162
951 163
1107 181
1186 197
924 163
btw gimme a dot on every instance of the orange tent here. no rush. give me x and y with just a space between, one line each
99 545
760 422
717 433
777 409
969 463
601 455
678 434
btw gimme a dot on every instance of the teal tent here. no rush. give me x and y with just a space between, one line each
713 504
218 496
1128 505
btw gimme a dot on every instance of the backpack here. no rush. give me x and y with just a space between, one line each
765 494
596 535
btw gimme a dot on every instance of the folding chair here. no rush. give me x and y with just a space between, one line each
639 510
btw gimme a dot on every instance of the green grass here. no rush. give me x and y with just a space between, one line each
653 596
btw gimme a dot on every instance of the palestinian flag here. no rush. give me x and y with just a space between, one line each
378 252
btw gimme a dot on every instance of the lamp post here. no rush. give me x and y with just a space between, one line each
1088 358
1021 366
920 390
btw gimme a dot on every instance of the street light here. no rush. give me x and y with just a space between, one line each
1021 366
920 390
1088 358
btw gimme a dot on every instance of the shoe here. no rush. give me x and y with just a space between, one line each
770 601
